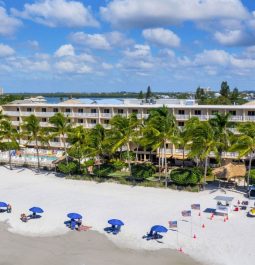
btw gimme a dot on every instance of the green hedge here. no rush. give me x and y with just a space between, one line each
142 171
186 176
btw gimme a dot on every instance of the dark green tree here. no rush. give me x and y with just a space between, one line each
141 96
148 93
224 89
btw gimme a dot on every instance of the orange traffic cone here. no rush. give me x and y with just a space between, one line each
181 250
194 236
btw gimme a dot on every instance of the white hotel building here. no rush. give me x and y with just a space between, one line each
88 113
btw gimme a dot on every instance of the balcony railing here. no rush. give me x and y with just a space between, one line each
182 117
45 114
106 115
11 113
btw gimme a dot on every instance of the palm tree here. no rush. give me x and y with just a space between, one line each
161 126
122 133
244 143
61 127
98 141
221 126
78 138
32 130
8 136
203 143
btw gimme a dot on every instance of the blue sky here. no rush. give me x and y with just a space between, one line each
116 45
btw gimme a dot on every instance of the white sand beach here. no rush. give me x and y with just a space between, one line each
220 242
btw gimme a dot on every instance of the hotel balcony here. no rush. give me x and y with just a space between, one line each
85 115
106 115
181 117
45 114
12 113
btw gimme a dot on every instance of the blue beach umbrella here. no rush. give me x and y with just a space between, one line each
3 204
74 216
159 229
115 222
36 210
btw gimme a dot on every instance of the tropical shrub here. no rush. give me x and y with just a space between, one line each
118 164
70 168
186 176
103 170
143 171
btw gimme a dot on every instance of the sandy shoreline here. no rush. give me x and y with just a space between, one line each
76 248
226 243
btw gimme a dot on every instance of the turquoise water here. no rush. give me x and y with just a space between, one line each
50 158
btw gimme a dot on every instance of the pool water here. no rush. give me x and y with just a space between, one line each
42 157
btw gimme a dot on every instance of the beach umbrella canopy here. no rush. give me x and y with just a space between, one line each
36 210
115 222
74 216
159 229
3 204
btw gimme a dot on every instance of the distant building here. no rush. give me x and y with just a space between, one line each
1 91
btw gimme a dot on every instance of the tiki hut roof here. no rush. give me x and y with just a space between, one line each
230 171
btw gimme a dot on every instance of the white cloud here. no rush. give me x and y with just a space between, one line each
33 44
6 50
217 57
65 50
161 37
138 51
105 41
8 24
72 67
54 13
93 41
153 13
107 66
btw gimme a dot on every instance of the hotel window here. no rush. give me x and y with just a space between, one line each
68 110
17 128
134 111
93 121
56 140
214 112
80 120
232 112
106 111
181 111
93 111
29 109
180 123
106 121
197 112
80 110
17 109
17 118
44 110
120 111
44 120
251 113
55 110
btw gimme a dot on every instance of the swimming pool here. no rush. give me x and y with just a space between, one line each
42 157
